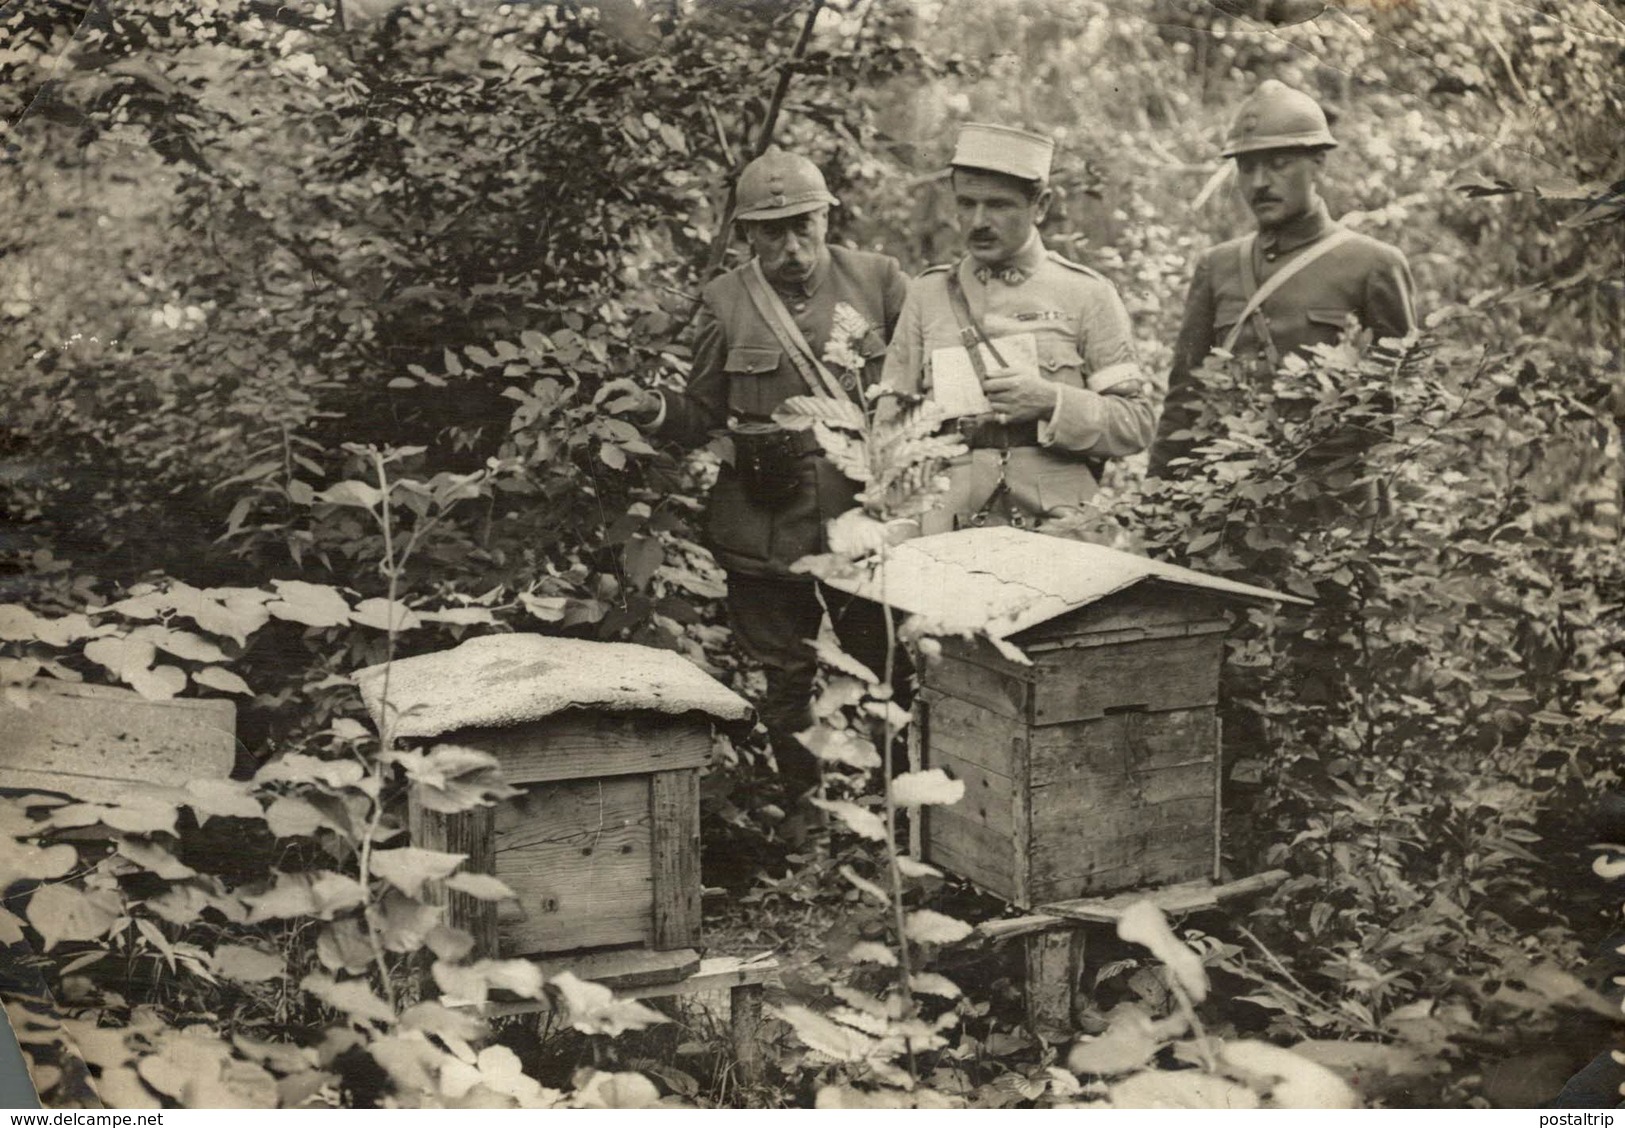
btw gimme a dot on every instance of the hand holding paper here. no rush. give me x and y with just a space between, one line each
954 384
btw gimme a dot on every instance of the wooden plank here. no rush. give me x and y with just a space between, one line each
1124 742
579 856
989 798
1054 962
625 969
93 741
674 804
588 744
745 1030
1155 676
1058 827
1004 692
971 851
1083 793
1130 634
1149 603
967 731
467 832
718 973
1192 896
1143 860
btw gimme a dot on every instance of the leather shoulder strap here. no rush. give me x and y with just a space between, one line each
819 380
970 332
1280 278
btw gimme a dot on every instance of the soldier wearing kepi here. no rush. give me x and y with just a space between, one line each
1032 354
760 338
1296 281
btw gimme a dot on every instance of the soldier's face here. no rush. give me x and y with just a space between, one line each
788 248
1279 185
996 213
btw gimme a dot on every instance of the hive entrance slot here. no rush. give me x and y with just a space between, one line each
1113 710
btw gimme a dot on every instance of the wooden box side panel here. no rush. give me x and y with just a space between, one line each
974 672
590 744
93 741
674 802
1148 604
1123 743
1128 800
983 836
579 855
1154 675
466 832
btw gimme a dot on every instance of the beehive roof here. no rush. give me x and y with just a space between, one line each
496 681
1001 581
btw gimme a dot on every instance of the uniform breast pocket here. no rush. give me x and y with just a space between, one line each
1060 361
753 384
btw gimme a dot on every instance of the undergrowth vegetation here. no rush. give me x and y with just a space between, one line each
312 327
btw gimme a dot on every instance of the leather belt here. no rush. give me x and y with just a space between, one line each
981 433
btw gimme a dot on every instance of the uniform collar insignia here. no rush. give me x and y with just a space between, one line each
1016 269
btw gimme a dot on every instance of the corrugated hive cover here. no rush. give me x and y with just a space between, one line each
1004 580
500 680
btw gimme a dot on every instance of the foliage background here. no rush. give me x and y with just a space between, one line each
241 239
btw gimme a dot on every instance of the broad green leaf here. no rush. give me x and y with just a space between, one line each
355 997
859 820
1189 1088
155 858
314 605
1143 923
290 816
867 951
594 1009
294 767
409 867
24 861
343 946
218 677
916 789
405 924
381 614
121 656
1290 1080
227 798
616 1090
182 644
480 886
911 867
817 1033
840 746
246 965
63 912
865 885
927 926
1127 1044
355 493
930 983
855 534
157 684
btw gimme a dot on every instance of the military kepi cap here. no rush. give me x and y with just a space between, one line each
999 148
779 184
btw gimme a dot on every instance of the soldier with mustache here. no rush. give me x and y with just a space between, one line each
1279 140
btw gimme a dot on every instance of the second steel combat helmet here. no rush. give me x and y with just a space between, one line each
779 184
1275 116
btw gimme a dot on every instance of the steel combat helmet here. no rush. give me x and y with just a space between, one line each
1275 116
779 184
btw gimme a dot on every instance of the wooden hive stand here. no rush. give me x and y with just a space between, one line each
1081 713
606 743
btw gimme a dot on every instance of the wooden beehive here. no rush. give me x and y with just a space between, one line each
605 742
1096 767
96 742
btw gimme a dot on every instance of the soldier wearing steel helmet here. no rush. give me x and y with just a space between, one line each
773 499
1053 354
1279 140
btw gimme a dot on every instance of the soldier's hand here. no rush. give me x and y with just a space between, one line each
1017 397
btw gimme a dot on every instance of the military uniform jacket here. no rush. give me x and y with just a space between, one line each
1085 344
741 371
1365 278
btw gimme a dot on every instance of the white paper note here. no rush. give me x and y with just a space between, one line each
954 385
